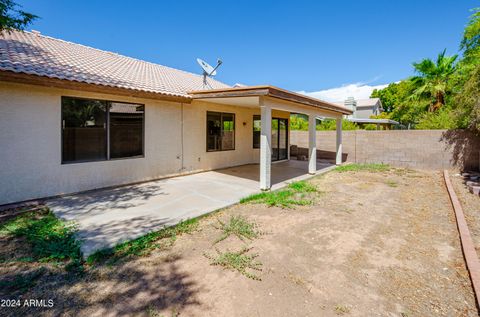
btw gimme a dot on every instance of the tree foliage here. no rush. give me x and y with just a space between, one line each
471 36
432 81
12 18
467 102
393 94
300 122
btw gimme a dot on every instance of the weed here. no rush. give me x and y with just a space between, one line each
152 312
391 183
302 187
372 167
50 238
237 261
239 226
144 245
296 279
294 194
341 309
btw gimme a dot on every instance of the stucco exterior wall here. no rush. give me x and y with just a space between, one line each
30 139
364 112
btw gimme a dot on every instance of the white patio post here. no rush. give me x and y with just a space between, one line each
339 141
265 145
312 144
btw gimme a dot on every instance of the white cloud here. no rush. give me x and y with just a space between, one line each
356 90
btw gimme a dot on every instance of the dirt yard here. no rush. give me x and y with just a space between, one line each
373 244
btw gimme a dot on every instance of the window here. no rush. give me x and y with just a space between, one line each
94 130
220 131
126 130
257 127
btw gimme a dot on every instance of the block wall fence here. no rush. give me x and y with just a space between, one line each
421 149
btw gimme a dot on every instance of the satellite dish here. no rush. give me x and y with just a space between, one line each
208 70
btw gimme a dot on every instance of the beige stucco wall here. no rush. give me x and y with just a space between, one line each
30 139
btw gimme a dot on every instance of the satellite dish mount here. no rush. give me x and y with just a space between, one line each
208 70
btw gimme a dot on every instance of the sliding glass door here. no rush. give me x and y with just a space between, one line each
279 139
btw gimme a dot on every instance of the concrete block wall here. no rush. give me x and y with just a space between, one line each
422 149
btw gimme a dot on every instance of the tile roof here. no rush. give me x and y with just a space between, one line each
370 102
35 54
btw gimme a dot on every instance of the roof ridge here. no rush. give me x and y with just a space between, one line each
113 53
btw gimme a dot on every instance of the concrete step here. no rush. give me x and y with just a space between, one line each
472 183
474 190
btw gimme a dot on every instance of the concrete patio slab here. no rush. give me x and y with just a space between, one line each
108 217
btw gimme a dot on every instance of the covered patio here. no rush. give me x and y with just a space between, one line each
269 98
107 217
110 216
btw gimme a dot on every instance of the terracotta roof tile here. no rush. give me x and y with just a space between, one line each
35 54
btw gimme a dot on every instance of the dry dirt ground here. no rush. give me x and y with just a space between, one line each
373 244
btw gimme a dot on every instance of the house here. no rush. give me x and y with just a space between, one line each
363 108
74 118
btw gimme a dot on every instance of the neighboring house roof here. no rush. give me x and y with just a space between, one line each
35 54
363 103
373 121
370 102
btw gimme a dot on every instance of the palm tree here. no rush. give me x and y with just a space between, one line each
432 79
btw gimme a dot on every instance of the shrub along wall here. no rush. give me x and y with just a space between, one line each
423 149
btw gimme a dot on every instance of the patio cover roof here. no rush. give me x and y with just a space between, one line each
266 91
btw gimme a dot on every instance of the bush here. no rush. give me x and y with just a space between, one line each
331 125
442 119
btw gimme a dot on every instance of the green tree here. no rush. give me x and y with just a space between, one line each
432 81
471 37
470 46
331 125
394 94
12 18
467 102
298 122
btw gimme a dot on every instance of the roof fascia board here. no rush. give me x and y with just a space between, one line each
22 78
271 92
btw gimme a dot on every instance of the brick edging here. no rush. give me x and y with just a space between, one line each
468 248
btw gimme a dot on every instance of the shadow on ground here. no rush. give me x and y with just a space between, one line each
123 291
98 201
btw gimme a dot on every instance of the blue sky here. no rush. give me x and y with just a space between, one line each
298 45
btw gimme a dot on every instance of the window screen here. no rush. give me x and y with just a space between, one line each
84 130
126 130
